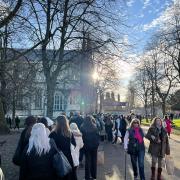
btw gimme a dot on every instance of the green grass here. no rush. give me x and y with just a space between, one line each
177 123
176 129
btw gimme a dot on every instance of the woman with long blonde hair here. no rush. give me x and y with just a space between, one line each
37 158
134 145
64 138
159 146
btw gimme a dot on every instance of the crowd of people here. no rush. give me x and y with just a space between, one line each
39 145
76 137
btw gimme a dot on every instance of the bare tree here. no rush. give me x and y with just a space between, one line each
62 25
105 77
8 12
169 37
143 87
162 73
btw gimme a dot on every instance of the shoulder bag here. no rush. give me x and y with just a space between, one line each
61 163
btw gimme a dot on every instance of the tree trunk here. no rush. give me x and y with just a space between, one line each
153 101
164 108
101 102
3 126
50 98
96 105
13 109
146 113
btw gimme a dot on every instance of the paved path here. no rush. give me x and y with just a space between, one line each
113 169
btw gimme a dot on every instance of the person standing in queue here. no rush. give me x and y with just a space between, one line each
64 138
116 129
108 128
37 157
78 119
123 127
79 143
134 145
17 122
91 142
24 139
168 122
159 146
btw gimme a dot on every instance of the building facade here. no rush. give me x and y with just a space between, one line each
74 89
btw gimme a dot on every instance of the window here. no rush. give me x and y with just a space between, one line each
38 99
58 102
72 100
19 102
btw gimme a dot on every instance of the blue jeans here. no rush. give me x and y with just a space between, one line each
140 158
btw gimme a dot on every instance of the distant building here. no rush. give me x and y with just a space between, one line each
112 105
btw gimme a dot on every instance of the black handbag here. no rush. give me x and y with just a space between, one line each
61 163
133 147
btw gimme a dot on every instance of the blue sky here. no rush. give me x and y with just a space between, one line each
144 19
142 16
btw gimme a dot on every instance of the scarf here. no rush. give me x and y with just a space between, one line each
137 135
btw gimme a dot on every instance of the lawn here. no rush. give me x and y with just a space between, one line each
176 129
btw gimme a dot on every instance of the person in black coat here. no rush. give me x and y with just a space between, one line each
63 139
24 139
37 158
78 119
91 142
108 128
17 122
123 127
116 128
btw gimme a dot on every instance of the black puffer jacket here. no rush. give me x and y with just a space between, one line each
90 138
35 167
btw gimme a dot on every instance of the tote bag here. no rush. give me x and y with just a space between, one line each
169 165
61 163
74 156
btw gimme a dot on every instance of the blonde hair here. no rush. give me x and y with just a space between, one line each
39 139
133 120
74 127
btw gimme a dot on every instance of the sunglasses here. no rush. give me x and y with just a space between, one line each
135 122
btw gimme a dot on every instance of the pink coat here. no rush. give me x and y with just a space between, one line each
168 125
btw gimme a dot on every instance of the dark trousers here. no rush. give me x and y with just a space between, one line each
109 134
139 157
123 132
16 126
90 164
81 154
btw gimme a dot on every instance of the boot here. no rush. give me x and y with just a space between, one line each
153 171
159 174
